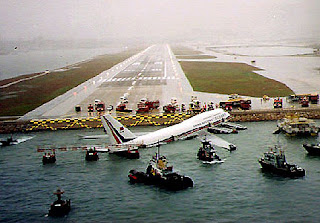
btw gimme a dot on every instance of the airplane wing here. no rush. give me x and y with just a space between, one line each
93 136
89 137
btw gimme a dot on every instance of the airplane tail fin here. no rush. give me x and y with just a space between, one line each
118 134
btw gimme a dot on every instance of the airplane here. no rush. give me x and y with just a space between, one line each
187 129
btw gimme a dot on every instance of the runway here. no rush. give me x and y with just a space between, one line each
153 73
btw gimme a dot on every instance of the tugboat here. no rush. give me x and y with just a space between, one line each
59 207
208 154
49 158
160 174
275 162
293 125
92 154
313 149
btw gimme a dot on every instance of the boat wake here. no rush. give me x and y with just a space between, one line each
214 161
11 141
23 139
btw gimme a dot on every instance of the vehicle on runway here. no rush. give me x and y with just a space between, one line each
194 105
100 107
236 102
313 98
122 107
277 103
169 108
172 107
118 134
145 105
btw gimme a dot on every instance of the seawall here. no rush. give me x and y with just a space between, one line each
273 114
149 120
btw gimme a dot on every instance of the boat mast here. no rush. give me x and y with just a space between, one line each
158 154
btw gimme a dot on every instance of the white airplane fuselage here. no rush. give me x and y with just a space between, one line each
182 130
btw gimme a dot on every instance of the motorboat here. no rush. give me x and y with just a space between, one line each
159 173
49 158
275 161
231 125
8 142
207 153
313 149
221 130
59 207
92 154
293 125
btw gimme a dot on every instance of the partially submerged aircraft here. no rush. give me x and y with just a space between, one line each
187 129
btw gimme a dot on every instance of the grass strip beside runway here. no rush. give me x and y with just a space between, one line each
20 98
225 77
195 57
182 50
232 78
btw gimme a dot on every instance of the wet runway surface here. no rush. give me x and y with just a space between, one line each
156 74
153 73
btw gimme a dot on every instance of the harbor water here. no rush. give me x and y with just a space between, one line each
33 61
234 191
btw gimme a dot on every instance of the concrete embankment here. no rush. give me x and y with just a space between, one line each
149 120
273 114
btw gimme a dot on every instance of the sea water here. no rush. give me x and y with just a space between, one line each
33 61
234 191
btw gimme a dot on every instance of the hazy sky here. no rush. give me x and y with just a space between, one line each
160 19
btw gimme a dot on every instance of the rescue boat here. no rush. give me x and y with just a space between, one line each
49 158
59 207
159 173
92 155
294 125
207 153
275 161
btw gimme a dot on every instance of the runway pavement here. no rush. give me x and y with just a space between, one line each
153 73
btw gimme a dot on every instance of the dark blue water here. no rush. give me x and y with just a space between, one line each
235 190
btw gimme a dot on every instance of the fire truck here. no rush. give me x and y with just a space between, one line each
277 103
172 107
236 103
145 105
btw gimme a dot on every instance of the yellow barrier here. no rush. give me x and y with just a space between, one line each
95 122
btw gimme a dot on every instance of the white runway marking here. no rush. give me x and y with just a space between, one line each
139 78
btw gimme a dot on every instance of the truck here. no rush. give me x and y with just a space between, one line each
236 103
145 105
